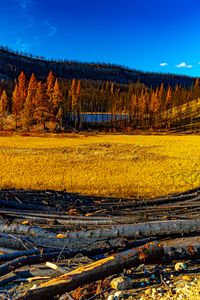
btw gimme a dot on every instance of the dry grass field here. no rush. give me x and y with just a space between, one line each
103 165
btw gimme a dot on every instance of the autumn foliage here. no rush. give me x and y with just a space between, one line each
55 104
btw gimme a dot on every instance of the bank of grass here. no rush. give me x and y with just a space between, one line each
103 165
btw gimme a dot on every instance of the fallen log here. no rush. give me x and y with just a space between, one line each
61 217
26 230
143 203
182 252
16 275
30 259
25 260
25 206
16 254
95 271
141 230
73 244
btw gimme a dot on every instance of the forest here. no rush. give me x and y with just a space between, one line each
56 104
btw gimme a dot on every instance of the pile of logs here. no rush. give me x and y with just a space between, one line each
52 243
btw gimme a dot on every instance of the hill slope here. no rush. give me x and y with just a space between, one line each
11 64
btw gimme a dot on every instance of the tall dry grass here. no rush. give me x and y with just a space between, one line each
105 165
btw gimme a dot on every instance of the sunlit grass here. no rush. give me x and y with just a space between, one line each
106 165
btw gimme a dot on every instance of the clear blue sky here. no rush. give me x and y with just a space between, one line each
141 34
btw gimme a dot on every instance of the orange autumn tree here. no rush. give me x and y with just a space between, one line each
168 106
154 107
57 103
74 101
42 113
3 108
50 87
19 96
29 106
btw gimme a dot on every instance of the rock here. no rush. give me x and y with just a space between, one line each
110 297
121 283
180 266
118 295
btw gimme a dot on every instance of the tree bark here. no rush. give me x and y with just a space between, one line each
26 230
141 230
95 271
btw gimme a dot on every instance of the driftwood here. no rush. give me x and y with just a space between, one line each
153 252
26 230
16 254
20 205
95 271
74 244
28 260
59 217
158 228
37 257
96 233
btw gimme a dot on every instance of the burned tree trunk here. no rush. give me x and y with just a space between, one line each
95 271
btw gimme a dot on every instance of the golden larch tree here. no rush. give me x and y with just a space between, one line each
3 104
42 113
19 96
57 103
3 108
29 106
50 86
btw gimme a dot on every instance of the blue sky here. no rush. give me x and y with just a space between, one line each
149 35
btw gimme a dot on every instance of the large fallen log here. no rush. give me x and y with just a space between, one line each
26 230
95 271
140 230
72 244
61 217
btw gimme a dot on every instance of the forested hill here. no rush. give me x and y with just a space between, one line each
11 64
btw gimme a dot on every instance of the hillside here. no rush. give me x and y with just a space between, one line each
11 64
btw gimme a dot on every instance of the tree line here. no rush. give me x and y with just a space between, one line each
57 105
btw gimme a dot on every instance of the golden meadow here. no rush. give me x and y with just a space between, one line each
101 165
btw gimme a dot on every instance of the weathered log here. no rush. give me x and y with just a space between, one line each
73 244
16 254
181 252
61 217
11 242
26 230
44 214
25 206
27 260
95 271
16 275
94 248
157 201
156 228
